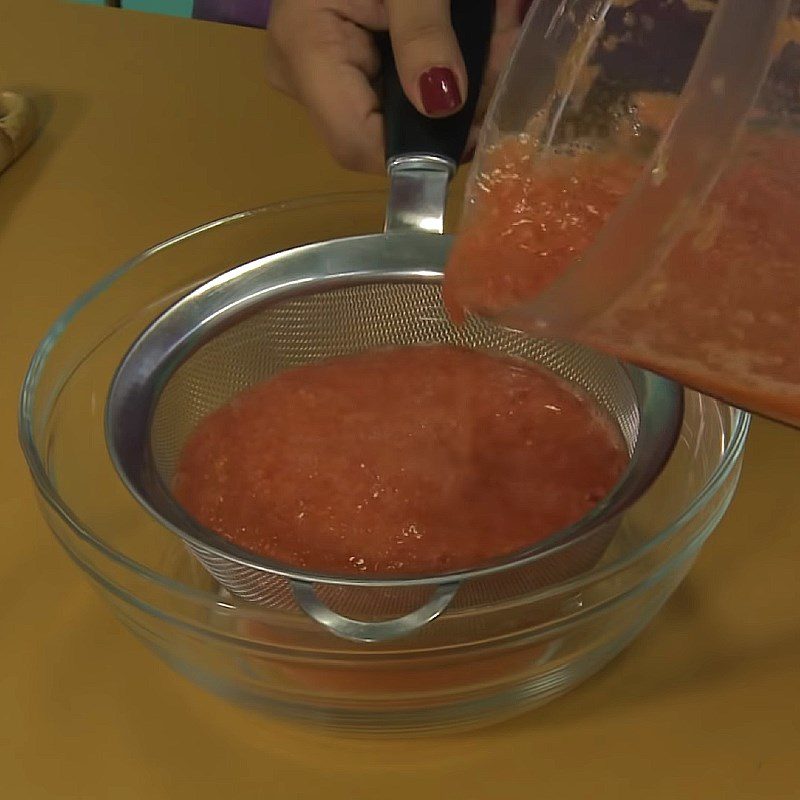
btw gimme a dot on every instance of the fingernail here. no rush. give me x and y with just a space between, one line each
439 90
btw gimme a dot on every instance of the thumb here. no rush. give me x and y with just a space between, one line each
427 54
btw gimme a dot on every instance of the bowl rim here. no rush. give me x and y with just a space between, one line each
41 478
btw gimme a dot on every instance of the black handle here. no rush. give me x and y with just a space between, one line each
408 131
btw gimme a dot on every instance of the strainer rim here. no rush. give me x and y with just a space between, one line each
179 522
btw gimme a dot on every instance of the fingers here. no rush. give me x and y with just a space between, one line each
427 54
504 36
276 67
345 110
325 58
472 143
507 26
301 27
322 53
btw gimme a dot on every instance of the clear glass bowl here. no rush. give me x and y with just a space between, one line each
467 667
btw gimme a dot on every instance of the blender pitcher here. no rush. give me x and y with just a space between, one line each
636 189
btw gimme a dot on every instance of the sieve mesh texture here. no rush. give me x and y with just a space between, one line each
345 320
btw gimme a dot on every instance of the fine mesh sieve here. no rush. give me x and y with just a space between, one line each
304 305
343 296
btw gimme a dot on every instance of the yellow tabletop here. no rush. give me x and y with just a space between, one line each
153 125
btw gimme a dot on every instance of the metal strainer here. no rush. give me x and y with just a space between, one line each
332 298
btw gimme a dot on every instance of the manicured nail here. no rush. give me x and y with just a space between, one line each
439 90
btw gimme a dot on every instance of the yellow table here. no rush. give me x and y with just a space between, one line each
153 125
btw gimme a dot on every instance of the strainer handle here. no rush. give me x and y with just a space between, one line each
406 131
359 631
422 153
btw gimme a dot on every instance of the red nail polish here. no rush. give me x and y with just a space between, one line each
439 90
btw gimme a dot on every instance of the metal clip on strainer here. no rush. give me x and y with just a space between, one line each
337 297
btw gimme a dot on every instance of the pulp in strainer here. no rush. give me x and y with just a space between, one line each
409 460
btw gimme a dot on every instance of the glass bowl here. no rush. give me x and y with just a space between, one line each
466 668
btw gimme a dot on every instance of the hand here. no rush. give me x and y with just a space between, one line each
322 53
